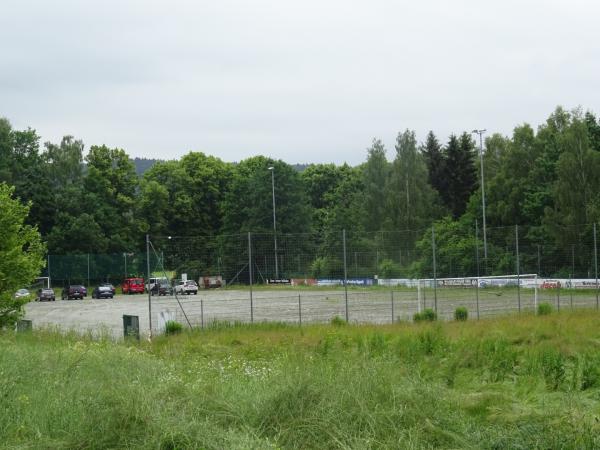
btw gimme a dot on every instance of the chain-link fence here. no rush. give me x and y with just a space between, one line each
358 276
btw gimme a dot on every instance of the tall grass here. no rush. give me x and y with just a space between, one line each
525 382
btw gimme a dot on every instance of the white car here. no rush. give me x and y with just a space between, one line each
22 293
186 287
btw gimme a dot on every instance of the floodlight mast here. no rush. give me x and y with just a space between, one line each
272 169
480 133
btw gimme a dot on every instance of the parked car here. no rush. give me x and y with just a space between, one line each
133 286
153 281
45 295
73 291
103 292
186 287
161 289
22 293
108 285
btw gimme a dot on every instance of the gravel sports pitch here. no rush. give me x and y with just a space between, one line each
291 305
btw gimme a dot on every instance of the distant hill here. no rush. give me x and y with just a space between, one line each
300 167
143 164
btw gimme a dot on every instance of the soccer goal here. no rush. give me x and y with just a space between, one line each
482 296
40 283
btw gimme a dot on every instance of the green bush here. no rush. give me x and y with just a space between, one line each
388 269
427 315
544 309
172 327
461 314
337 321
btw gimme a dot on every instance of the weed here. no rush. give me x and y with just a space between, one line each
544 309
173 327
427 315
590 372
337 321
461 314
552 363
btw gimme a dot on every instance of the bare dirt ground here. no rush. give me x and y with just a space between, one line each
294 306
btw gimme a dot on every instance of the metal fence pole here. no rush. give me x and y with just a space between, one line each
202 312
88 270
299 310
392 298
572 273
345 274
250 276
596 264
477 261
518 266
434 269
148 284
49 279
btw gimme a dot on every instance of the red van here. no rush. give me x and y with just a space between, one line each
133 286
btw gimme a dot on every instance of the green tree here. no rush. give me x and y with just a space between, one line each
375 174
460 173
434 159
21 254
577 187
411 201
110 187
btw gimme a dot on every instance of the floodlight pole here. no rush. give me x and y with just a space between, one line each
272 169
480 133
148 284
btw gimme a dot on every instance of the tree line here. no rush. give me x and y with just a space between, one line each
545 180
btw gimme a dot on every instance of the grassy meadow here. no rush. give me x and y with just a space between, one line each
517 382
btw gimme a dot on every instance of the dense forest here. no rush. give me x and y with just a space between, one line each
545 180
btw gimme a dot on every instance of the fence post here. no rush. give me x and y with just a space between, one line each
434 269
345 274
392 295
596 264
250 276
572 273
148 284
88 271
477 260
518 266
299 310
202 312
49 279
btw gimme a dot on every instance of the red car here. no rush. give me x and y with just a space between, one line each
133 286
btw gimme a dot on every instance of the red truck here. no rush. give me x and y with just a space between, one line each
133 286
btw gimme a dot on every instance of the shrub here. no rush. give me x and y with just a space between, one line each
461 313
172 327
544 309
553 368
388 268
337 321
427 315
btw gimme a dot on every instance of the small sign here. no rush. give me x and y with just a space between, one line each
24 326
131 327
279 281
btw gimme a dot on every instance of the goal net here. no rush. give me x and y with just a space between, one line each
482 296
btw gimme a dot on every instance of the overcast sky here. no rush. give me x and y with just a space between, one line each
303 81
